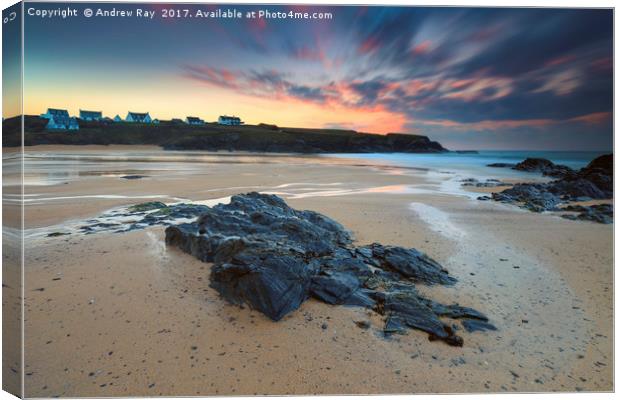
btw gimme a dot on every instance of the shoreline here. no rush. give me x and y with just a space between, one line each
468 237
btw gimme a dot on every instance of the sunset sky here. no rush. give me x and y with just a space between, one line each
469 78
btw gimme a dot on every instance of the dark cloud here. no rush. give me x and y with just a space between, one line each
466 66
369 90
542 35
306 92
259 83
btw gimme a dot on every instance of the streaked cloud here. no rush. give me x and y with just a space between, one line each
482 71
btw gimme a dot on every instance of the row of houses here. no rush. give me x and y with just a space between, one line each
59 119
222 120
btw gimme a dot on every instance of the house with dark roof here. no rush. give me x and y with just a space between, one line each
143 118
90 115
118 118
194 121
228 120
59 120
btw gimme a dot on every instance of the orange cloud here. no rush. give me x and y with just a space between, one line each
604 63
559 60
594 118
562 83
485 89
368 46
591 119
422 48
488 124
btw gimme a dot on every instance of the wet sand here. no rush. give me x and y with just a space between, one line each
122 314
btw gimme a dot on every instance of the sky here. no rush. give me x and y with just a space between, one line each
470 78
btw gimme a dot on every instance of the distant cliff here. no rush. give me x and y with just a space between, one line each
212 137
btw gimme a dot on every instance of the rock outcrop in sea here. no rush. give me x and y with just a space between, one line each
542 165
593 182
273 258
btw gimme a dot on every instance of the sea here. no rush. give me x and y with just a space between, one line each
475 164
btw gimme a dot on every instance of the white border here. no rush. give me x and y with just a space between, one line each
458 3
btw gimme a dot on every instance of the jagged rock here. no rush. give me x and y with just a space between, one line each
56 234
546 167
409 264
501 165
600 172
274 286
273 258
534 197
148 206
487 183
601 213
595 181
473 325
574 189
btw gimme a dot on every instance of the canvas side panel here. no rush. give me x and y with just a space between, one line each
12 205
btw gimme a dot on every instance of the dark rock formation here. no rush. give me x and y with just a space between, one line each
472 325
56 234
273 258
501 165
140 216
487 183
595 181
601 213
544 166
533 196
599 172
148 206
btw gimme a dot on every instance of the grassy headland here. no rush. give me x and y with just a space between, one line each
213 137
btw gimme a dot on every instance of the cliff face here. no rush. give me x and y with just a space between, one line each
259 138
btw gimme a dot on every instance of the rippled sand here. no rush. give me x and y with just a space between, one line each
122 314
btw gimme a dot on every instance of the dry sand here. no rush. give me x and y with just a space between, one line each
122 314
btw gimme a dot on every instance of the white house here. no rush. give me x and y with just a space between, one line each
90 115
59 120
155 121
62 124
194 121
143 118
227 120
51 112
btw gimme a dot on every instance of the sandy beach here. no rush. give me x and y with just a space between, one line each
112 314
